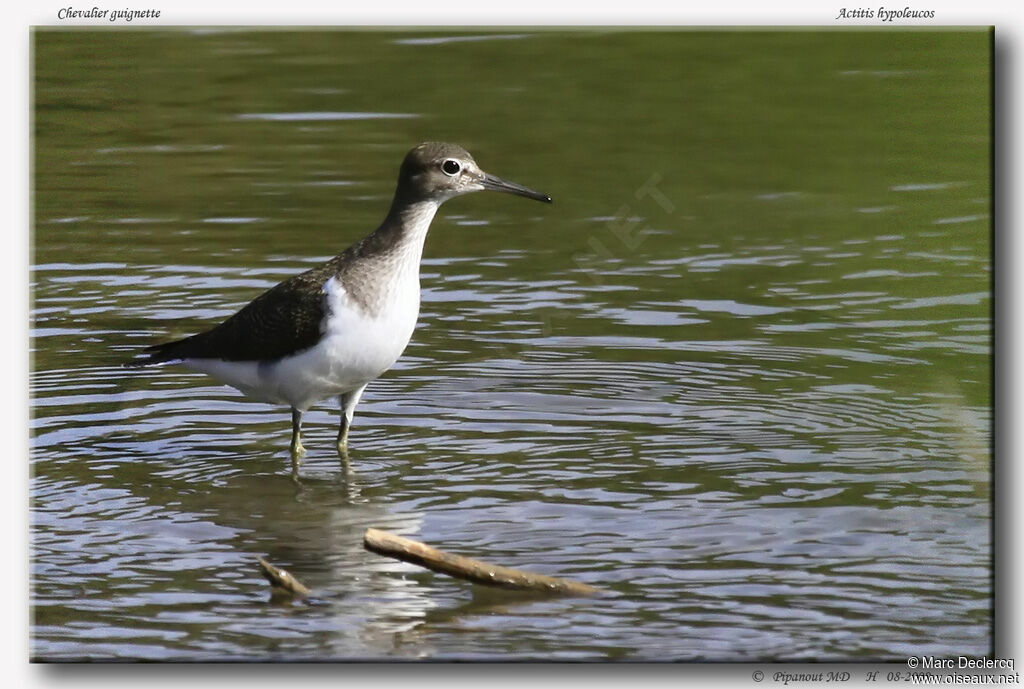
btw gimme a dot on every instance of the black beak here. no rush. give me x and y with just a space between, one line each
498 184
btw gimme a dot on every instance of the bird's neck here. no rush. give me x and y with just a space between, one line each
402 234
407 223
385 266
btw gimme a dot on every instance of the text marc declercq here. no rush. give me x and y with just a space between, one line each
963 662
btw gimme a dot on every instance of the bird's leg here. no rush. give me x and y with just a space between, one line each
343 434
347 402
297 448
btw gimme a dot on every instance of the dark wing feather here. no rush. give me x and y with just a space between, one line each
283 320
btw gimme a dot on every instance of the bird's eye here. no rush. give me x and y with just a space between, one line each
451 167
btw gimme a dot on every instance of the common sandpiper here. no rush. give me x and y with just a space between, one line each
331 330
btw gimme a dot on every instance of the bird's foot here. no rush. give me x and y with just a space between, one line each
297 449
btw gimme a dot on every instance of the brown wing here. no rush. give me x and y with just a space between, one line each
283 320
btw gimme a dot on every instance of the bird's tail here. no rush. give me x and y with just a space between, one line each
163 353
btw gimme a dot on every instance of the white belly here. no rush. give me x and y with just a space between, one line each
354 349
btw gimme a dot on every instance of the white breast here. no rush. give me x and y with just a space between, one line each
357 344
354 349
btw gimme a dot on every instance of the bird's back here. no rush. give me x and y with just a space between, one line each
283 320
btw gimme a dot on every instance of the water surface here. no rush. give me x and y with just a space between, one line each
739 373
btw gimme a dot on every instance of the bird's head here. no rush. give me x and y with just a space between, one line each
439 171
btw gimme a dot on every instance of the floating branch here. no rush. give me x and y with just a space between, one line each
282 584
408 550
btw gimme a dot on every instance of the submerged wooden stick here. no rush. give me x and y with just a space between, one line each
281 582
408 550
